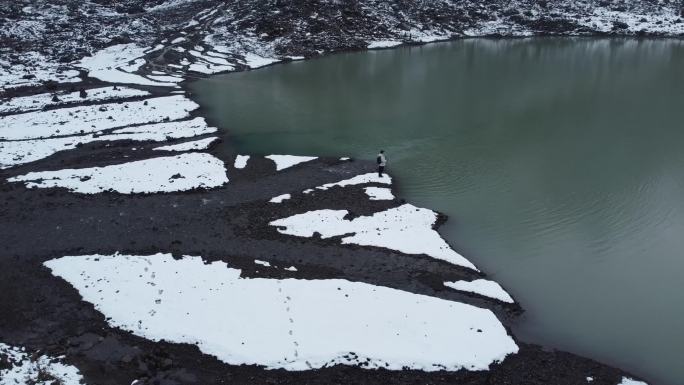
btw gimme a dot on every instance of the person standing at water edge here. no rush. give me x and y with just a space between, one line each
382 162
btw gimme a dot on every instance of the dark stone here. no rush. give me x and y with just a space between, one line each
620 25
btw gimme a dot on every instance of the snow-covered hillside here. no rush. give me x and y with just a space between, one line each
48 40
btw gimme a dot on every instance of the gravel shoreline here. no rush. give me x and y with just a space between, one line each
59 112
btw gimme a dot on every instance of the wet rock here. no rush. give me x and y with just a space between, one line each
5 362
620 25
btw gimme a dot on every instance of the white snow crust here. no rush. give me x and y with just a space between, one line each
164 174
378 193
482 287
407 229
291 324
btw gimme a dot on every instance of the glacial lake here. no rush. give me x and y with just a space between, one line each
560 162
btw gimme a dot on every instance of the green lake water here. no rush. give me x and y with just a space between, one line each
559 161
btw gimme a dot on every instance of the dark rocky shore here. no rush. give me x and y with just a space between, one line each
231 224
42 42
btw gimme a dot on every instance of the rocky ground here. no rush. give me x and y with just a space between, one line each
99 87
230 224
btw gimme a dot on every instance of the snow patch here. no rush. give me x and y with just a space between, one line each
371 177
211 59
17 152
606 20
482 287
165 78
280 198
629 381
15 74
165 174
115 64
159 132
86 119
200 144
169 4
289 323
28 368
241 161
40 101
378 193
407 229
285 161
208 68
383 44
253 60
427 36
262 263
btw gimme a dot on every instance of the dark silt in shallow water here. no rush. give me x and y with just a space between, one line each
559 161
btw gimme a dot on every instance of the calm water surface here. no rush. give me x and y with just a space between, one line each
559 161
